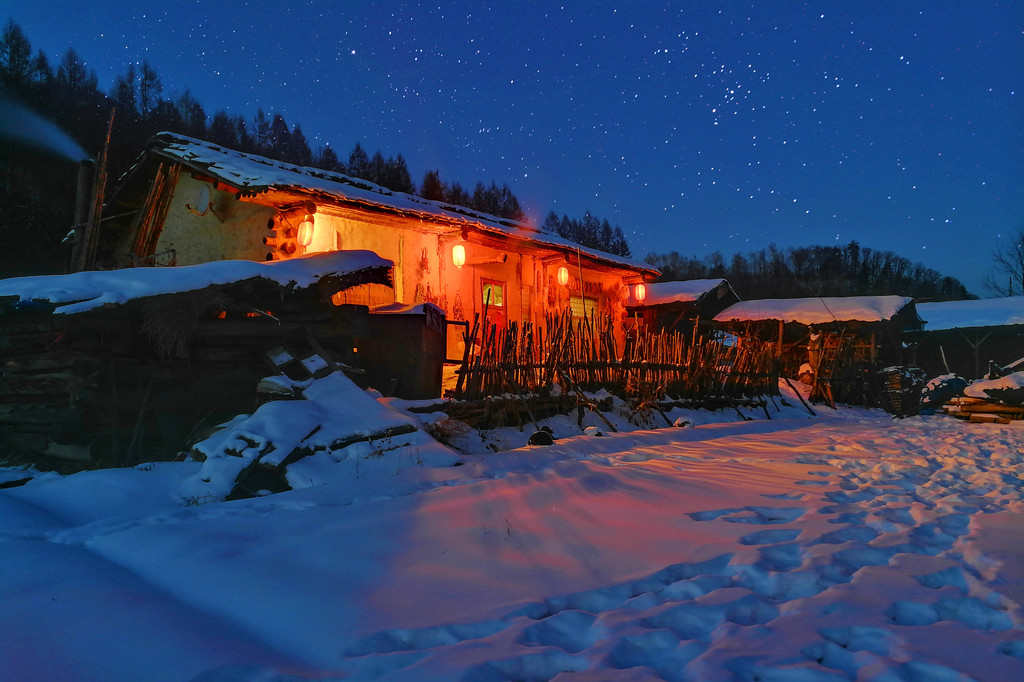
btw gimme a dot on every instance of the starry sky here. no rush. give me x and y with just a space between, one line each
695 126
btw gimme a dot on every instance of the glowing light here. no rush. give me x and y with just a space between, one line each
305 234
459 255
563 275
640 292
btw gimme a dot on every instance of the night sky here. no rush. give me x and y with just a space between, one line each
696 126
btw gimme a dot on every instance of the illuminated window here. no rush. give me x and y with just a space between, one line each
582 306
493 293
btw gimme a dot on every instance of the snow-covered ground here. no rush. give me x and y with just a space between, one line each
848 546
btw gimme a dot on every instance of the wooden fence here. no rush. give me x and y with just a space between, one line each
580 354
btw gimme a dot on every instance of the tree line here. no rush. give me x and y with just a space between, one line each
68 94
590 232
807 271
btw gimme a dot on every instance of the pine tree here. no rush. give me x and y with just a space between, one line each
15 57
299 149
432 188
261 132
358 162
222 130
150 88
327 160
280 139
551 223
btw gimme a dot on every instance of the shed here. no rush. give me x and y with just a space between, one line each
129 365
842 340
962 337
677 306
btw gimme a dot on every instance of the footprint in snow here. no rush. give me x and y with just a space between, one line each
572 631
768 515
785 557
390 641
544 665
769 537
953 576
849 534
970 611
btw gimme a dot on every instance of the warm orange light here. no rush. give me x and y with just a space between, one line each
305 234
640 292
459 255
563 275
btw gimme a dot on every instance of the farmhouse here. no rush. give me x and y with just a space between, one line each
186 201
837 343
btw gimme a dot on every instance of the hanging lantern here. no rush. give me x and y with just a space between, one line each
459 255
304 236
640 292
563 276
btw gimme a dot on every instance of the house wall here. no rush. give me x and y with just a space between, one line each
425 272
229 230
421 250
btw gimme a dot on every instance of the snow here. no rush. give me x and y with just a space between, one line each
847 546
81 291
989 388
821 310
987 312
684 291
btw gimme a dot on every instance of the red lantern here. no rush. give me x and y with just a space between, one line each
563 276
640 292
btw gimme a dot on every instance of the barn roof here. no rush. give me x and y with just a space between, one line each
986 312
820 310
81 291
252 175
684 291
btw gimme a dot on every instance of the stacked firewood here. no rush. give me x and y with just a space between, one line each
981 410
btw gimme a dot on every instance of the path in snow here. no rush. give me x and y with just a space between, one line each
847 573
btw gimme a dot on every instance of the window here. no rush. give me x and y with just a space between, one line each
582 306
493 293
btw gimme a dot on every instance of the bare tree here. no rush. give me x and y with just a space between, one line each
1007 277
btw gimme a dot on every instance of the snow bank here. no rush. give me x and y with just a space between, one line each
333 413
81 291
1009 388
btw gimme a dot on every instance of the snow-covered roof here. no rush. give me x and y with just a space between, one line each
252 175
820 310
986 312
81 291
685 291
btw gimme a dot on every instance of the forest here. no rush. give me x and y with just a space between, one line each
796 272
37 189
68 95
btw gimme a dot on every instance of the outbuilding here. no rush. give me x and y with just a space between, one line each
962 337
834 343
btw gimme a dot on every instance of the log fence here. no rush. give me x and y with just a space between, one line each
581 354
